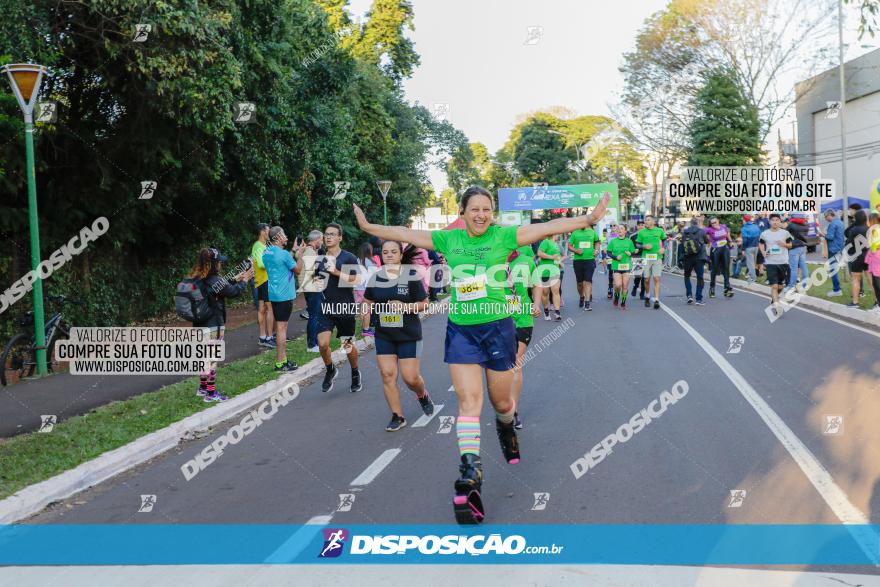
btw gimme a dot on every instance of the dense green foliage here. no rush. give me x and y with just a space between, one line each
327 109
725 128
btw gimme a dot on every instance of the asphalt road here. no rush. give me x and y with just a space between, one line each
753 420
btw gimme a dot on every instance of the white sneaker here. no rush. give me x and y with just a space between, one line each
834 294
313 349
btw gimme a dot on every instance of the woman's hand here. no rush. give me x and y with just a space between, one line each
245 275
360 217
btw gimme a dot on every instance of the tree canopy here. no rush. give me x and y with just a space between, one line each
326 110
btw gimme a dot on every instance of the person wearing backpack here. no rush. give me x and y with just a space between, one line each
693 243
211 312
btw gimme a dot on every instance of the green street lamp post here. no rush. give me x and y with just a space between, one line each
25 79
384 185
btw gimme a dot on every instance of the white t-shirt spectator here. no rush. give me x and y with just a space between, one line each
776 254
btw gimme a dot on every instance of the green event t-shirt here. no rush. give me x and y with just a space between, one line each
477 297
522 274
261 276
651 236
619 246
548 267
585 240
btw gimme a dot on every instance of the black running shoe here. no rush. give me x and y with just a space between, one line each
517 421
427 404
396 423
588 306
656 304
610 293
356 384
581 303
647 302
331 374
508 440
690 301
712 293
471 470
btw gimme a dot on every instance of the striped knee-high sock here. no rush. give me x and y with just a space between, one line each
468 430
211 386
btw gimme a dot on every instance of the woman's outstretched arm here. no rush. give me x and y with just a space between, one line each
529 233
419 238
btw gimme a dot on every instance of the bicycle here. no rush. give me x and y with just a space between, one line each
19 357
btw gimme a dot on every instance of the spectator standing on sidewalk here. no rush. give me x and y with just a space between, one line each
872 259
834 238
854 234
208 268
750 234
282 270
265 319
308 258
797 255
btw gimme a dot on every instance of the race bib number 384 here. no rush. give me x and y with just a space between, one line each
473 288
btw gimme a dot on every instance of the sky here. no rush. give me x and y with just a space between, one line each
476 57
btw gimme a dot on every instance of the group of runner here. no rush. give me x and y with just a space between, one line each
490 319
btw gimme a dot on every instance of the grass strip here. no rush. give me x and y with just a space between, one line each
33 457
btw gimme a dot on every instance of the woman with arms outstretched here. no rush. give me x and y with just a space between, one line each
480 333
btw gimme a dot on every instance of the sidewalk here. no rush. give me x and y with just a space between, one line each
66 395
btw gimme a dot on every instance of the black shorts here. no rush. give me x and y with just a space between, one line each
263 292
524 335
344 325
777 274
281 310
584 269
409 349
858 265
622 272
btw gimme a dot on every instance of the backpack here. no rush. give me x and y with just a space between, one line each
191 302
690 242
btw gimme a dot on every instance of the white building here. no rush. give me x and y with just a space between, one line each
431 219
818 122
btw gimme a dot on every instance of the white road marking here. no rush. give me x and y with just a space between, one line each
424 420
291 547
805 459
451 388
815 313
376 467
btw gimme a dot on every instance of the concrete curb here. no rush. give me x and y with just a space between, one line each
34 498
856 315
827 306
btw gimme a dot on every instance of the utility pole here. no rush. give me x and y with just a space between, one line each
842 115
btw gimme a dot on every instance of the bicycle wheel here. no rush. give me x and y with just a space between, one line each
60 332
17 360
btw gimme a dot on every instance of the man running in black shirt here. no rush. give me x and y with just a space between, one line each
338 308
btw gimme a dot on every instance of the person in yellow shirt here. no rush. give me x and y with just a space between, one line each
261 282
873 257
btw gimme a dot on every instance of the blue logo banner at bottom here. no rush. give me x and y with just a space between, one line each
417 544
